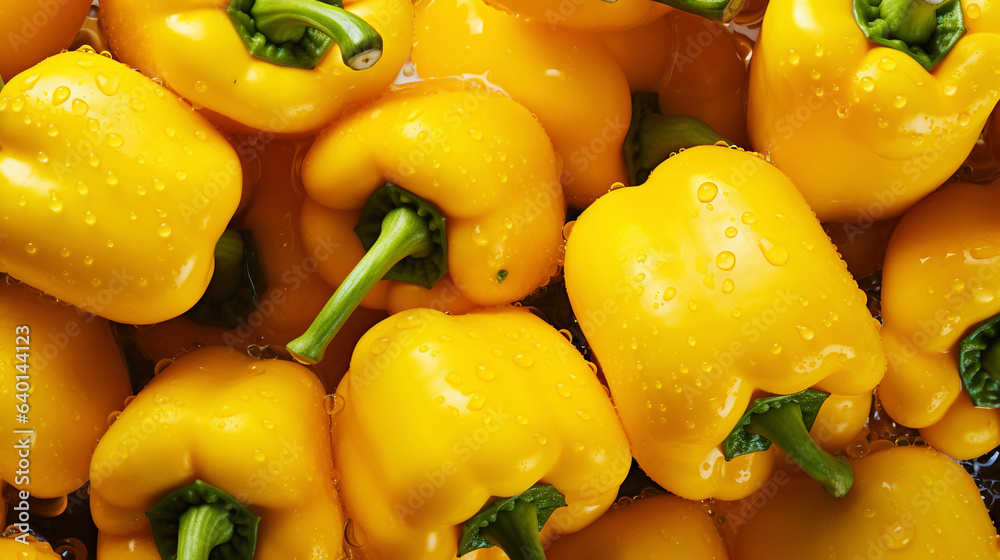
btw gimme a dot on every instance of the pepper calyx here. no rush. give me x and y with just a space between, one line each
298 33
200 521
716 10
923 29
785 420
423 269
653 137
237 283
512 523
409 229
979 364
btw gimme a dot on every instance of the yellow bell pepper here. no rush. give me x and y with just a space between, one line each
26 547
693 64
698 290
259 64
445 413
908 503
613 15
657 527
295 291
865 130
257 431
565 77
586 15
472 213
35 29
113 193
73 378
941 279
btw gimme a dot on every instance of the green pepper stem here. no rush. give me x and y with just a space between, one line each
662 135
284 21
516 532
784 427
911 21
202 528
404 234
715 10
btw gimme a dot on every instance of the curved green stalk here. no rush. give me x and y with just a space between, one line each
404 234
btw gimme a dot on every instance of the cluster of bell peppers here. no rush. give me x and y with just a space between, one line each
255 186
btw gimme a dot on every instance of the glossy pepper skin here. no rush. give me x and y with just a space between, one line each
950 242
709 283
585 16
565 77
35 29
864 131
113 192
487 166
30 549
693 64
485 404
194 48
296 291
657 527
908 503
76 379
255 429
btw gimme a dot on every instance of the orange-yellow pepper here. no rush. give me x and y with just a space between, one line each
258 431
656 527
194 47
586 15
73 379
26 547
940 282
864 130
113 192
444 413
693 64
34 29
565 77
708 284
295 290
908 503
473 196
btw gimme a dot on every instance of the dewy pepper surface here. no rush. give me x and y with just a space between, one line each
565 77
698 290
451 188
950 241
255 430
113 191
445 413
76 378
199 50
908 503
656 527
865 130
